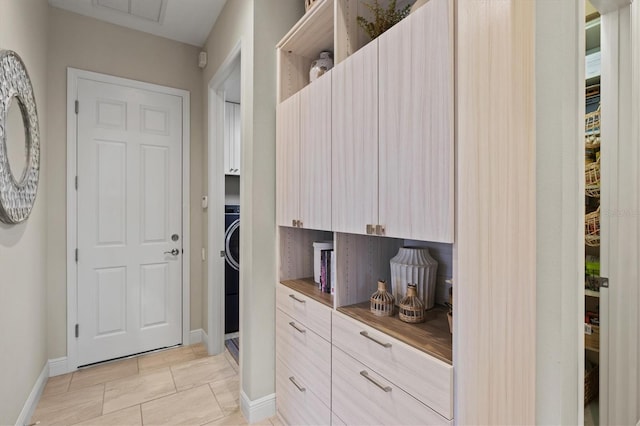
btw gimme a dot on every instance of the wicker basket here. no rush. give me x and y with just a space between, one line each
591 384
592 179
411 308
592 129
382 302
592 229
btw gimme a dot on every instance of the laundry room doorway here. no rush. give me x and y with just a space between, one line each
224 210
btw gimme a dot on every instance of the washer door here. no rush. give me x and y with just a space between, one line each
232 245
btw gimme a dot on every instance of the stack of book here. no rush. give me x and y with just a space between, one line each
327 271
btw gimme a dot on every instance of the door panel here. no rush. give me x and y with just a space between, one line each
354 142
315 154
416 126
129 203
288 161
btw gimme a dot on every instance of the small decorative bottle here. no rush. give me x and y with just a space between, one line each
411 307
382 302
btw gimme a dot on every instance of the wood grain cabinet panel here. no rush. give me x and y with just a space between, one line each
306 353
424 377
315 154
305 310
416 125
354 189
288 160
296 403
360 396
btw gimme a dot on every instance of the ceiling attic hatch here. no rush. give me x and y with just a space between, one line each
151 10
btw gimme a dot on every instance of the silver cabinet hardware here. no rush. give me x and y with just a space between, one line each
370 229
380 229
293 296
300 330
365 334
300 388
374 381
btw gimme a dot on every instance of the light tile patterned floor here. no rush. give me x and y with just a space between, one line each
181 386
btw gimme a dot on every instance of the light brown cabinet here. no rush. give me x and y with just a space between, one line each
303 156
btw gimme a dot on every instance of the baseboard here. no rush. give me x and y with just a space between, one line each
58 366
259 409
195 336
32 401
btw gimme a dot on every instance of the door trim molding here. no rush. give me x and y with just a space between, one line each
73 75
215 179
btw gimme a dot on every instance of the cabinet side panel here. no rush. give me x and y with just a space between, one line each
495 301
354 152
288 160
315 154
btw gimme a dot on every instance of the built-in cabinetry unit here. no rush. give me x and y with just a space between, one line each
364 158
232 141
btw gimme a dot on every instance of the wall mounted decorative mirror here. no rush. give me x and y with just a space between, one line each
19 166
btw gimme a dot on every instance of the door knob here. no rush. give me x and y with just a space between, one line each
173 252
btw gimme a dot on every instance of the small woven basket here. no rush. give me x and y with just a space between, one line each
591 384
382 302
411 307
592 229
592 129
592 179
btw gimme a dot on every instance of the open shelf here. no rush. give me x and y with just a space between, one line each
310 289
432 336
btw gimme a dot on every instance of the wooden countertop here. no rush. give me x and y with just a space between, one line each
310 289
431 336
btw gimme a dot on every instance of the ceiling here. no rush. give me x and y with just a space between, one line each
188 21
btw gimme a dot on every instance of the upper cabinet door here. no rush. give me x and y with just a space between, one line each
355 142
228 137
315 154
288 161
416 126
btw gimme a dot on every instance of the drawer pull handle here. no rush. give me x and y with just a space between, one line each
374 381
293 296
300 388
365 334
301 330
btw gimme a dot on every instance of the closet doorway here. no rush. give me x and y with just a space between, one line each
224 210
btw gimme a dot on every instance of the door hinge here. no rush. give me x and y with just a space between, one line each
76 255
76 182
77 106
77 330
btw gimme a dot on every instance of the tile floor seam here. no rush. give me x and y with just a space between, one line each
217 402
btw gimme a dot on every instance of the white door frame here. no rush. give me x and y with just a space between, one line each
73 75
215 168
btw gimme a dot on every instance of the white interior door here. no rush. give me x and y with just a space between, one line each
129 197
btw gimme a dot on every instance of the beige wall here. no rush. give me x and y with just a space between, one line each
23 28
80 42
259 25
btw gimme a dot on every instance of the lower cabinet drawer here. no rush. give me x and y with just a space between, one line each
306 353
305 310
424 377
362 397
295 402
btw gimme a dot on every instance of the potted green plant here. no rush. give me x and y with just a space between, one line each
383 19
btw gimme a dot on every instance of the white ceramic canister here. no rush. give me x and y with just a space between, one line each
321 65
414 265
